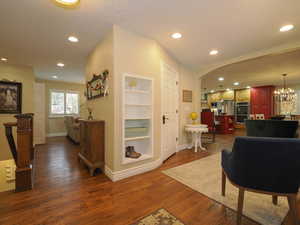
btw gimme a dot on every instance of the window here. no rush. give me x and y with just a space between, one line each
64 102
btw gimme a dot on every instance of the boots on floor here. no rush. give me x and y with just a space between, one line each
130 153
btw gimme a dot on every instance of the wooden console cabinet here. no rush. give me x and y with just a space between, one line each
92 146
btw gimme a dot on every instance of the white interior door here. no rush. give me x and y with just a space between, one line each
169 110
39 123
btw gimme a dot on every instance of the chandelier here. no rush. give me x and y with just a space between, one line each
286 98
285 94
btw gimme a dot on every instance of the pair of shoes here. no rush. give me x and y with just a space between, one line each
130 153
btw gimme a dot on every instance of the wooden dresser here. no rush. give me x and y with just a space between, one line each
92 146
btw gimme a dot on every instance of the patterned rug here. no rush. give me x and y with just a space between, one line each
204 176
159 217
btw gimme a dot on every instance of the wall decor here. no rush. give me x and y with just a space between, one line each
10 97
98 86
187 96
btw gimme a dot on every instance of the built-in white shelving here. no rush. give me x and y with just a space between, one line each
137 117
137 91
137 138
143 157
138 105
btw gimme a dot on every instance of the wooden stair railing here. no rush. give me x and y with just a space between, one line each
23 154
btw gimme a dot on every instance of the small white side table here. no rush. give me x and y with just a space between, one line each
196 130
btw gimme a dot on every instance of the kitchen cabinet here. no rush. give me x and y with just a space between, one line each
262 101
242 95
216 97
228 95
225 124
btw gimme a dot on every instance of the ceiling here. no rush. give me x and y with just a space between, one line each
34 32
265 70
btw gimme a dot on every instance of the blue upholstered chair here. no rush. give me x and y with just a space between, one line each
272 128
264 165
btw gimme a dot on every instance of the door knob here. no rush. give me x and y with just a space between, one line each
164 119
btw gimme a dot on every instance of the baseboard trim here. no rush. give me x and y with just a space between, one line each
108 172
182 147
119 175
57 134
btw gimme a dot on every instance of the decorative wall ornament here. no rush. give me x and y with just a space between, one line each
98 86
10 97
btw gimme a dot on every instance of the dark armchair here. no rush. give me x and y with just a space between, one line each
272 128
265 165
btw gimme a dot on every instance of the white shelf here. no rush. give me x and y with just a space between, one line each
137 104
138 118
136 138
137 91
130 160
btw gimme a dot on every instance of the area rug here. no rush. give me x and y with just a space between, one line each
159 217
204 176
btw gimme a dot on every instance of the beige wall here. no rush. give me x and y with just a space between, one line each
25 75
137 55
55 125
103 108
124 52
187 81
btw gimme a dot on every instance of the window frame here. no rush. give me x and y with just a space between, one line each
65 92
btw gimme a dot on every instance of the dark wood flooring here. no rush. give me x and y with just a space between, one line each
65 194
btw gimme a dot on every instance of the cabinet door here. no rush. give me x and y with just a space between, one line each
243 95
228 95
262 101
83 139
216 97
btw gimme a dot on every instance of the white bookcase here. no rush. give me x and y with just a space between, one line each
137 117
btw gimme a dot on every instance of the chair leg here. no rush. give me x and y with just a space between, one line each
275 199
240 206
223 183
292 199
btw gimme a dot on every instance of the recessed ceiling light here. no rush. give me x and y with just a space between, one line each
60 64
177 35
236 83
212 91
55 77
67 2
73 39
221 78
248 87
287 28
3 59
214 52
228 89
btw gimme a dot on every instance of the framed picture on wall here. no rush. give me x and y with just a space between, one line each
10 97
187 96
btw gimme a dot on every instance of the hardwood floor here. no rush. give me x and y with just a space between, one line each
65 194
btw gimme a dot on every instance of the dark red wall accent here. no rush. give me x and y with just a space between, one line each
262 100
208 118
